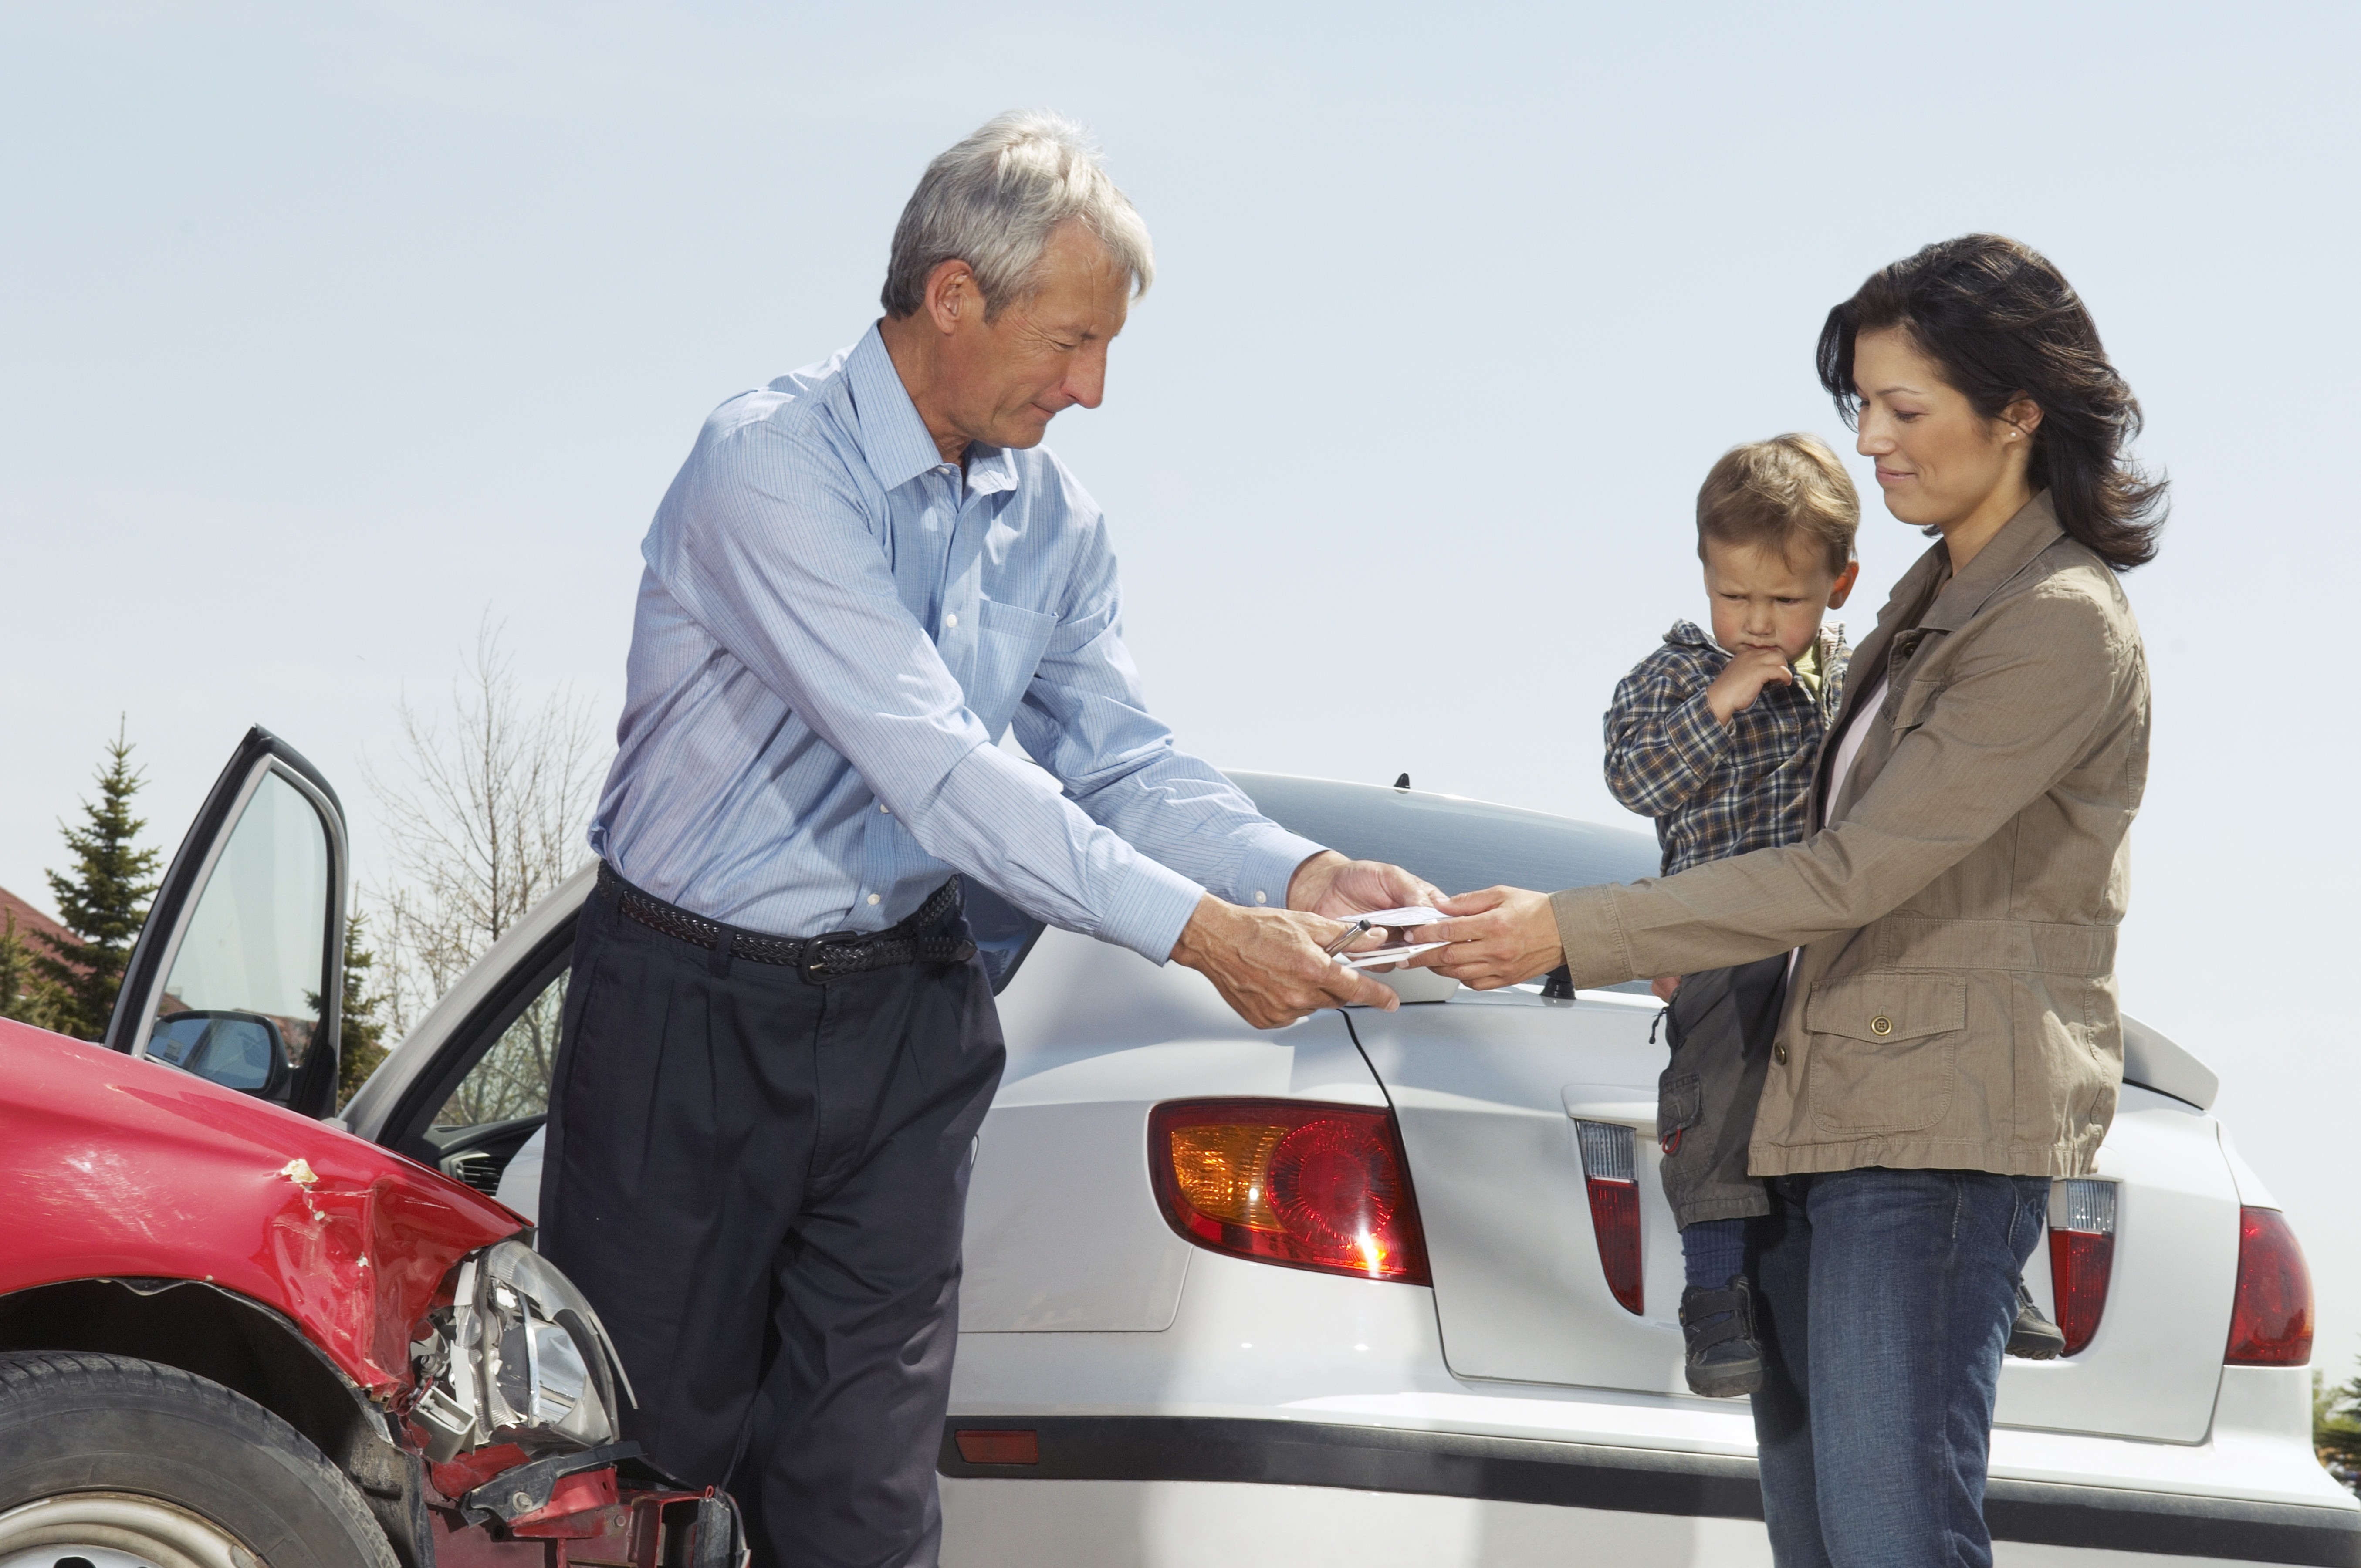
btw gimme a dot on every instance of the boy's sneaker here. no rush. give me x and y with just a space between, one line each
2033 1336
1723 1359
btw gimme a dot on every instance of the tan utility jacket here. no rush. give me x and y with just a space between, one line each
1954 1007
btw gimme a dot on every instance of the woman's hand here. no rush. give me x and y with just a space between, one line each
1500 936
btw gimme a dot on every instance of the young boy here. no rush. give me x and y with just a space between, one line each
1717 735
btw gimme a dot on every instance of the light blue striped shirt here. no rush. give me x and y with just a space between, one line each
834 629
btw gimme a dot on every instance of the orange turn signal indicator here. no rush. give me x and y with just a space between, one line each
1293 1182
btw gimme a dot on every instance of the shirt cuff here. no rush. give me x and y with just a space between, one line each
1697 734
1150 906
1591 930
1267 865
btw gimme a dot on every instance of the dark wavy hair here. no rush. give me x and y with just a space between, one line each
2002 324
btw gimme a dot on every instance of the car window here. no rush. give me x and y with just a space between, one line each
510 1080
253 948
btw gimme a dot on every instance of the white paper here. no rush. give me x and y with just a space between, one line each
1413 914
1386 955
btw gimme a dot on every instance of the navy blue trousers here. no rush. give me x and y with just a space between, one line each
760 1182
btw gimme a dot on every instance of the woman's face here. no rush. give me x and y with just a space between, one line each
1939 461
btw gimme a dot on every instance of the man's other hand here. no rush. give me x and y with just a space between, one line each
1267 963
1500 936
1330 884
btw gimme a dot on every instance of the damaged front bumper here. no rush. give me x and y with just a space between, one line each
603 1506
515 1411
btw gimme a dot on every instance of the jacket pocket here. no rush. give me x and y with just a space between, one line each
1909 703
1884 1050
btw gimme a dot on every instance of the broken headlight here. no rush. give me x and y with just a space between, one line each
519 1357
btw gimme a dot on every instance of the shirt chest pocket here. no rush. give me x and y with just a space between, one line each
1008 646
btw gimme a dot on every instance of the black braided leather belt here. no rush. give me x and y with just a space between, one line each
817 959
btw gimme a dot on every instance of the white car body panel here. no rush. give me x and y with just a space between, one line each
1514 1412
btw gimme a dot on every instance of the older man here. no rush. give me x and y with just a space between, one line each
778 1042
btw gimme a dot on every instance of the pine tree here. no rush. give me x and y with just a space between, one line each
363 1034
103 903
2337 1428
17 995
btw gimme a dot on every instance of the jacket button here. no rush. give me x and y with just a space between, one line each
1881 1025
1780 1053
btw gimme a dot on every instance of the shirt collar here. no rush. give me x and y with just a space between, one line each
894 438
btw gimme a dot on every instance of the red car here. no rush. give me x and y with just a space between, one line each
232 1333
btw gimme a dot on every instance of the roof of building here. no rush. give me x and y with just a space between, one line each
29 920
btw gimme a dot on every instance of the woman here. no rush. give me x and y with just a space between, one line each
1949 1039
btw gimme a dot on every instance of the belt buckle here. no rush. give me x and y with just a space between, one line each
813 965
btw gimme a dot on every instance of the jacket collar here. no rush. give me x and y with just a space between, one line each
1956 599
2033 528
894 438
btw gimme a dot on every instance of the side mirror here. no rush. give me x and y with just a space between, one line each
244 1051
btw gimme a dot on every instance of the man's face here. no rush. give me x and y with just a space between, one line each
1762 600
1003 380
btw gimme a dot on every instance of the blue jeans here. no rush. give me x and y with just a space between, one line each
1886 1297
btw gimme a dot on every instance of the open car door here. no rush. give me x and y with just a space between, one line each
237 976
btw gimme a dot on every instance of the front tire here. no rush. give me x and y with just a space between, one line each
126 1463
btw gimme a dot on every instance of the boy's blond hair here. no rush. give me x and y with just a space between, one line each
1788 495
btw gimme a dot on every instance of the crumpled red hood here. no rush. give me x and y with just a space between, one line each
111 1166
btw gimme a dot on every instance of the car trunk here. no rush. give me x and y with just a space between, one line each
1490 1092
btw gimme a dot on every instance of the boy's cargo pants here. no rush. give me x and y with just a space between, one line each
1721 1024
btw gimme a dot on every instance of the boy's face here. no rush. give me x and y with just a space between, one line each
1762 600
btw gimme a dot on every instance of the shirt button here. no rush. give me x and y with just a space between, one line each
885 809
1781 1053
1261 897
951 620
874 898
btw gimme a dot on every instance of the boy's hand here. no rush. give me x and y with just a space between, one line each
1743 680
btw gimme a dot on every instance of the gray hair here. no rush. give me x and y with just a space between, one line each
993 200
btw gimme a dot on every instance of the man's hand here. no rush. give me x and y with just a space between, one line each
1267 963
1664 987
1330 884
1502 935
1743 678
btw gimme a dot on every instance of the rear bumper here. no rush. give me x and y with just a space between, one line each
1617 1479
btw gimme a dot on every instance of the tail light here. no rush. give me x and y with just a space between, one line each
2270 1317
2082 1256
1610 1172
1289 1181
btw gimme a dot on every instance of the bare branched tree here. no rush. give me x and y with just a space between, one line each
489 817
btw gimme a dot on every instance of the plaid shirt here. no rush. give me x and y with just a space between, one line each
1717 792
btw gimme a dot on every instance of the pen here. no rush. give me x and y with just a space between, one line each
1354 929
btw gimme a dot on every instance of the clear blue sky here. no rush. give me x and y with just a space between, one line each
325 329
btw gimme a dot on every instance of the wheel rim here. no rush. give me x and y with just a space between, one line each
115 1529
